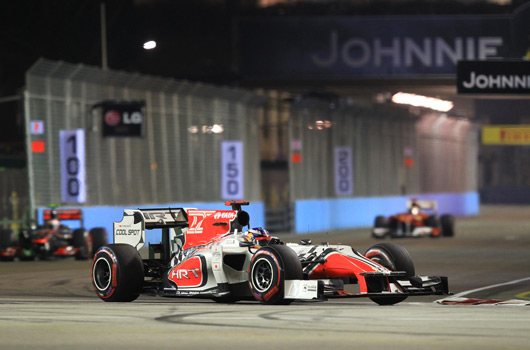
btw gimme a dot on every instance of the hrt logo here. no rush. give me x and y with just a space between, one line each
190 273
181 274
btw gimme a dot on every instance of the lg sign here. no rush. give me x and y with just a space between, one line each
113 118
123 119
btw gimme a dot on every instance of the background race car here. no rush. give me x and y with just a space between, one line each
420 220
207 253
53 239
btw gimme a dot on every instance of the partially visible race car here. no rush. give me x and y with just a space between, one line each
52 239
208 253
420 220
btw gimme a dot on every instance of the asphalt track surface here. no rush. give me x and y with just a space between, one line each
51 305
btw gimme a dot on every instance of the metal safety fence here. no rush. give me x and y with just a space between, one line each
14 206
178 158
340 149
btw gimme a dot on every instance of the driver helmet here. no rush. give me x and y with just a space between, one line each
54 222
414 208
54 214
259 234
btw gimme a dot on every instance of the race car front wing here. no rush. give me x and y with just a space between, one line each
399 285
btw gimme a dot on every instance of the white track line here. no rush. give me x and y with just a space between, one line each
461 294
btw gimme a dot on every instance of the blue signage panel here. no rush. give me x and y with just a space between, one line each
350 47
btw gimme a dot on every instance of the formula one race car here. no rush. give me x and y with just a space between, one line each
53 239
415 222
206 253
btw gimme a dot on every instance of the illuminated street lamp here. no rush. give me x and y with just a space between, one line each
149 45
422 101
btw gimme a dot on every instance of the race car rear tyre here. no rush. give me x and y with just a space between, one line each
99 238
394 257
269 268
117 273
82 241
448 225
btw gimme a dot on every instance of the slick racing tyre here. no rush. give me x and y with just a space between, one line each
381 227
395 258
117 273
99 238
432 221
448 225
6 242
6 238
269 268
82 240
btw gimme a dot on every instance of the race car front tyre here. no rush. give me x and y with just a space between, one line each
27 256
82 241
448 225
6 242
99 238
395 258
6 238
269 268
117 273
381 227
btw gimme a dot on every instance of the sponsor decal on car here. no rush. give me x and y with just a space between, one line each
205 225
191 273
127 232
225 215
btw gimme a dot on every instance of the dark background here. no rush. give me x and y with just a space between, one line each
195 39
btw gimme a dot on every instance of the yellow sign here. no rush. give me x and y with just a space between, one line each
506 135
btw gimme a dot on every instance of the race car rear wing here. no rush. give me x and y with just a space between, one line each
164 218
423 204
198 226
63 215
131 229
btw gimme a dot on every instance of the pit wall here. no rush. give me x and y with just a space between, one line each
105 216
328 214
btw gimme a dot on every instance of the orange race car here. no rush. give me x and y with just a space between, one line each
420 220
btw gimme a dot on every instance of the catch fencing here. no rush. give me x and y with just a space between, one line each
178 159
392 151
14 205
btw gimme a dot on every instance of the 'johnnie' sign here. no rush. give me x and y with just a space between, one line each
493 77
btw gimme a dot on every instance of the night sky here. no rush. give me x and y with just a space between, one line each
193 42
194 38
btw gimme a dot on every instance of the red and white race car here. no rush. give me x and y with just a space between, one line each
53 239
206 253
419 221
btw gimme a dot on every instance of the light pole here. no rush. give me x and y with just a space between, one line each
103 20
